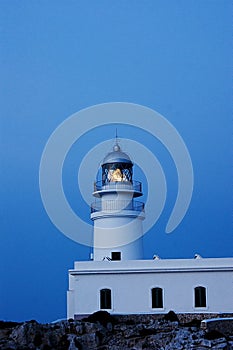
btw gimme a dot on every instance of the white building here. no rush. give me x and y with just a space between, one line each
118 280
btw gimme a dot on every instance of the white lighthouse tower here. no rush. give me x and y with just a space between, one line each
117 216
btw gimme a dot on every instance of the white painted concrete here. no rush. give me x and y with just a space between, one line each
116 216
131 283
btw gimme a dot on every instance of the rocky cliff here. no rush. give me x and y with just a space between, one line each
102 331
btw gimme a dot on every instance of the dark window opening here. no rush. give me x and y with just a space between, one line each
116 256
105 299
157 298
200 297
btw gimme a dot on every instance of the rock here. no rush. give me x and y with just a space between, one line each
26 334
204 343
5 324
89 327
171 316
88 341
109 326
142 333
131 332
222 346
72 344
218 341
103 317
193 323
222 325
213 335
79 329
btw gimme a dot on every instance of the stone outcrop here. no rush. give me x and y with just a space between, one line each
102 331
220 325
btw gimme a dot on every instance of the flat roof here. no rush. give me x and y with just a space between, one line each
157 265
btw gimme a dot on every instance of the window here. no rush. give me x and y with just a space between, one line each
200 297
116 255
114 172
105 299
157 298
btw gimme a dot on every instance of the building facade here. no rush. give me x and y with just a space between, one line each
151 286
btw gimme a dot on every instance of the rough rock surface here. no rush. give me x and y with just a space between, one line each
102 331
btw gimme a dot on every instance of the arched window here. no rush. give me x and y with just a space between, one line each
200 296
157 298
105 299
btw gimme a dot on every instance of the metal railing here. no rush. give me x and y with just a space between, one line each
116 205
118 185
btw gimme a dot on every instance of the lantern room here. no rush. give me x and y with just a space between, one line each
117 174
117 167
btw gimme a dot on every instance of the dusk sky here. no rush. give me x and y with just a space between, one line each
59 57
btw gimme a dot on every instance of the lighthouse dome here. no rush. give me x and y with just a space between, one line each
117 156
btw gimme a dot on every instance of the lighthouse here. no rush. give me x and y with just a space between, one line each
116 213
118 280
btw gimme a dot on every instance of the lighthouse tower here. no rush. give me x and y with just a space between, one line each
117 216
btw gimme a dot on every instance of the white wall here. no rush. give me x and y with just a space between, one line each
110 234
131 287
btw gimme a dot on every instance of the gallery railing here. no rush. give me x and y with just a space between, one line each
116 205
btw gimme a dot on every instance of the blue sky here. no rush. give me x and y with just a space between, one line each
58 57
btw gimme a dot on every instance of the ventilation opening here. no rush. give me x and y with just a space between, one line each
116 256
